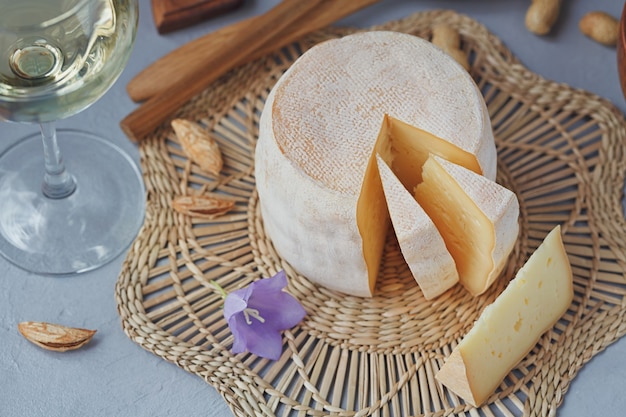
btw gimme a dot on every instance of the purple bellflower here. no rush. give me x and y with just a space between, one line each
258 313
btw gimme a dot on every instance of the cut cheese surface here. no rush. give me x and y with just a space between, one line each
372 215
421 244
477 218
319 190
411 147
508 329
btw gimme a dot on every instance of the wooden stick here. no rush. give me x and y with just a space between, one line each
170 15
191 59
182 62
146 118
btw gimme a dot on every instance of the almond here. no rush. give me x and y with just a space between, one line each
55 336
198 145
202 206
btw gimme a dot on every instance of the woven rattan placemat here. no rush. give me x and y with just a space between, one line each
560 150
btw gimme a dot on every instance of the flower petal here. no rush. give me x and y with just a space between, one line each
268 286
236 302
281 311
258 313
238 328
279 308
255 337
264 342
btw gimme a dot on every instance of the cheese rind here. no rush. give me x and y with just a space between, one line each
509 328
477 218
317 133
421 244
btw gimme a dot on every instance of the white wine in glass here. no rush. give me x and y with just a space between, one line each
70 212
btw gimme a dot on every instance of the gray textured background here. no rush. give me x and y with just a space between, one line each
114 377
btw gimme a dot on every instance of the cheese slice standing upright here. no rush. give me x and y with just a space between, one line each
509 328
421 244
477 217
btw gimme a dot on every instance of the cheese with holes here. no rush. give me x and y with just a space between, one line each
323 209
477 218
509 328
421 244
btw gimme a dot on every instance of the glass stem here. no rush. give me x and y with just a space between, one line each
57 182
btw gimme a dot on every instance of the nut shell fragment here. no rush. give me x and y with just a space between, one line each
198 145
202 206
55 336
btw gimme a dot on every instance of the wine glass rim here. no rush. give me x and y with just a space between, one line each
54 20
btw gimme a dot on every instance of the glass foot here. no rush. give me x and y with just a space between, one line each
78 233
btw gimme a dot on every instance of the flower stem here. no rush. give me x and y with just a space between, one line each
219 289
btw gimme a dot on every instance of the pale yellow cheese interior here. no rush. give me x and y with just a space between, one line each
404 148
372 215
411 146
476 217
508 329
467 231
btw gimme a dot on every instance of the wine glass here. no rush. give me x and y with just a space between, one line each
72 213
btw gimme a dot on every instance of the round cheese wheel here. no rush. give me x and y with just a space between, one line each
317 132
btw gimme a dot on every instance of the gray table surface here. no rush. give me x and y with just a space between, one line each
112 376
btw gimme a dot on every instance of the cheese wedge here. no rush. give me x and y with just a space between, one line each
508 329
477 218
421 244
319 190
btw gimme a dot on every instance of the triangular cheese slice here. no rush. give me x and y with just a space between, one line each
405 148
477 218
508 329
421 244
